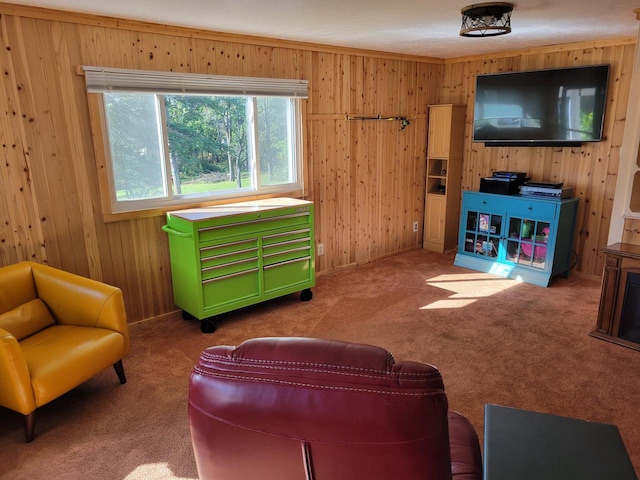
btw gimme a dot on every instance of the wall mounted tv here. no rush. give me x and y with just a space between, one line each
555 107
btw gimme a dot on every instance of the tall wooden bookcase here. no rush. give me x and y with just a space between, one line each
444 175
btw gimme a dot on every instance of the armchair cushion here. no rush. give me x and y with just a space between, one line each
64 356
27 319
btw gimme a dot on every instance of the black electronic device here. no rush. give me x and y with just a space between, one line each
544 184
503 174
554 107
501 185
560 192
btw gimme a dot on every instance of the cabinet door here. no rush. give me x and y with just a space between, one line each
529 243
439 131
436 210
482 233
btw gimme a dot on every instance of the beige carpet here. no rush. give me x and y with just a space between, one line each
494 340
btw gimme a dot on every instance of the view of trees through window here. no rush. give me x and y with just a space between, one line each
174 146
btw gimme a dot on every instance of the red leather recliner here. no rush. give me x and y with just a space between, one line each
304 409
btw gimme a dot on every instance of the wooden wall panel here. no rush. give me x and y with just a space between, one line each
368 174
366 177
21 234
591 169
328 143
631 231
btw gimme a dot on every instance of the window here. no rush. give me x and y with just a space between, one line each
174 139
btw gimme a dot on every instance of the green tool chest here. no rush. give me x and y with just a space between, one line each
231 256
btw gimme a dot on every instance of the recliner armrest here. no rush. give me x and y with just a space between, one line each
466 457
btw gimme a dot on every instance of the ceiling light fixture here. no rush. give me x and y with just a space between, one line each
486 19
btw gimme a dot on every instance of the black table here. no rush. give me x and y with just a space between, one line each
524 445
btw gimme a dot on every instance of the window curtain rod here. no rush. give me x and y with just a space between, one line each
119 80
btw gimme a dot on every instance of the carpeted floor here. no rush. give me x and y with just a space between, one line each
494 340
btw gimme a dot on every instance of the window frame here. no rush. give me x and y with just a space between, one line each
114 210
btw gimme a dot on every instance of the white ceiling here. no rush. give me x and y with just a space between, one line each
417 27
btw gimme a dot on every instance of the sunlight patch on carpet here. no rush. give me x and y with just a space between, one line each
154 471
449 303
467 288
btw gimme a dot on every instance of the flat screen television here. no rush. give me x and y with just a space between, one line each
554 107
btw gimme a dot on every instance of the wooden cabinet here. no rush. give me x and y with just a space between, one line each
435 217
446 131
619 312
231 256
523 237
444 175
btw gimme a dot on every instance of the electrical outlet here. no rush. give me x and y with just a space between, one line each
415 227
320 249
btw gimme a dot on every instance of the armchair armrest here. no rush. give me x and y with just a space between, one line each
76 300
15 382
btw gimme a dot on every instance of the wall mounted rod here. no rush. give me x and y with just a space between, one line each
404 121
371 117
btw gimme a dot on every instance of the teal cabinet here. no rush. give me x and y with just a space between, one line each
514 236
231 256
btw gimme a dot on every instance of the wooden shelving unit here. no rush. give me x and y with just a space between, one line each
444 175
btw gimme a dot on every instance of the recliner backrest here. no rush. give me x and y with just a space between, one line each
296 408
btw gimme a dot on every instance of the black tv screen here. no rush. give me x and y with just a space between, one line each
543 107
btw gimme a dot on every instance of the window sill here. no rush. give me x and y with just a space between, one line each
157 212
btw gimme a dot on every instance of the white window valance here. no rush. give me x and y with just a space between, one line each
106 80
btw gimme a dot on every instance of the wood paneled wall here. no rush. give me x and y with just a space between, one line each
366 177
591 169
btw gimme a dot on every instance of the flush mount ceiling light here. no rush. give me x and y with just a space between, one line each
486 19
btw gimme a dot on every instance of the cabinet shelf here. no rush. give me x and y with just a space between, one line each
437 167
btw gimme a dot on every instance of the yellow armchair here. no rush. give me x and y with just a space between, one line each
57 330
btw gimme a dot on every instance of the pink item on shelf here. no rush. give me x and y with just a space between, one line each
540 251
